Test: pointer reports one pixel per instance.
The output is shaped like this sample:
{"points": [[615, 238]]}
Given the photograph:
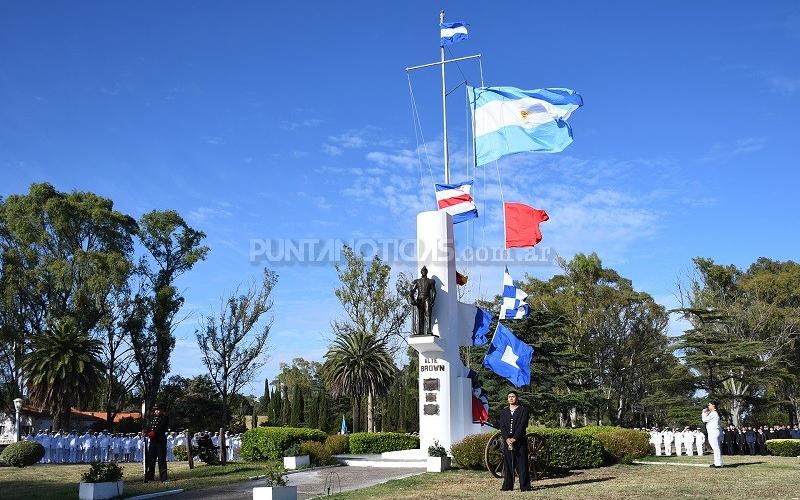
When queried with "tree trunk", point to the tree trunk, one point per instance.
{"points": [[356, 414], [370, 415], [736, 410]]}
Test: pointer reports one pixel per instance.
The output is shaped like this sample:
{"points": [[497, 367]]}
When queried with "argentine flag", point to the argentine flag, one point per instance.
{"points": [[513, 306], [510, 120], [453, 33]]}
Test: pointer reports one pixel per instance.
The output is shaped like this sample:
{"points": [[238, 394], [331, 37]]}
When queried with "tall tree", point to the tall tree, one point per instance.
{"points": [[736, 345], [373, 312], [63, 368], [358, 365], [297, 407], [60, 254], [286, 406], [173, 248], [233, 341], [323, 420]]}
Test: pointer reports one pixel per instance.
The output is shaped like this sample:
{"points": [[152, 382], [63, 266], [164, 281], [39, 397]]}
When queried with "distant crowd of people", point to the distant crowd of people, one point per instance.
{"points": [[73, 448], [733, 440]]}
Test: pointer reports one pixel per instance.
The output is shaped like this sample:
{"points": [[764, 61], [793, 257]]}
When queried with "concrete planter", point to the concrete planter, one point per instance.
{"points": [[275, 493], [438, 464], [292, 463], [100, 491]]}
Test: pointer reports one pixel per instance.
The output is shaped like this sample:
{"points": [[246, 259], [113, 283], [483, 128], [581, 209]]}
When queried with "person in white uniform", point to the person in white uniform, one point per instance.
{"points": [[711, 419], [688, 441], [655, 440], [676, 432], [170, 447], [667, 436], [699, 440], [73, 447]]}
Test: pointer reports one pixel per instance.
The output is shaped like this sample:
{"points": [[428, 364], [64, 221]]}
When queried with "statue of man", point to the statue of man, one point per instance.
{"points": [[422, 297]]}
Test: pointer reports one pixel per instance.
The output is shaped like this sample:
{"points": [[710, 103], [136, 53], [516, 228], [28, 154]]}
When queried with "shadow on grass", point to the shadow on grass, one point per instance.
{"points": [[731, 466], [572, 483]]}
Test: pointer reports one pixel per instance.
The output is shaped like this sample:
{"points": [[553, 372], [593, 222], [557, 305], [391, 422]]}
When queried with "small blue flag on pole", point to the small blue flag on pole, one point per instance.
{"points": [[453, 33], [509, 357]]}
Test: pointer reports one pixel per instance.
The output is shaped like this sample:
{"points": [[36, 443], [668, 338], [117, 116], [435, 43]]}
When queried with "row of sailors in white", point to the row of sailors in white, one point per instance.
{"points": [[71, 448], [687, 441]]}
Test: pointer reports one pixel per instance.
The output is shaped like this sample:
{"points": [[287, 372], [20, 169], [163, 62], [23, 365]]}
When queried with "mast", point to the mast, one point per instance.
{"points": [[444, 110]]}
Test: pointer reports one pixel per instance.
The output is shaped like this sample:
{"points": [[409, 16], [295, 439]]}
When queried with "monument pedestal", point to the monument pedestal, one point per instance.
{"points": [[445, 391]]}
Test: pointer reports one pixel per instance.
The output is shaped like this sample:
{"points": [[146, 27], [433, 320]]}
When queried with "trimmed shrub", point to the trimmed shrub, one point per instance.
{"points": [[317, 452], [337, 444], [784, 447], [468, 453], [620, 444], [569, 449], [180, 452], [100, 472], [22, 453], [269, 443], [379, 442]]}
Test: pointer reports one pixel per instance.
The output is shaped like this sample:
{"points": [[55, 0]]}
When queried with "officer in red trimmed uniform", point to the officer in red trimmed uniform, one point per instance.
{"points": [[155, 431]]}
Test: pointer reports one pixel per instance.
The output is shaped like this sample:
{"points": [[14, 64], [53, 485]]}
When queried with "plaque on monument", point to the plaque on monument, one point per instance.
{"points": [[430, 384], [431, 410], [430, 397]]}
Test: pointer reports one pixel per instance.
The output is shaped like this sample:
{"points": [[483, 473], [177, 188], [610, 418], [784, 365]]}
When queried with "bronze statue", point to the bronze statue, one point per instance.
{"points": [[422, 297]]}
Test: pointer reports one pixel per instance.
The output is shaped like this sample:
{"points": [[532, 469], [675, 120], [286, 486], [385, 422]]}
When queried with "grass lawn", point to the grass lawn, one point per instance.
{"points": [[747, 477], [61, 481]]}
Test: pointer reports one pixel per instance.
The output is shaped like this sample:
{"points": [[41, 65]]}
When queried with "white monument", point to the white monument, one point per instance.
{"points": [[445, 391]]}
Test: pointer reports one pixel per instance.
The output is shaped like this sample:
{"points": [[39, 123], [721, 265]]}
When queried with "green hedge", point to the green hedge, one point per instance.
{"points": [[468, 453], [784, 447], [22, 453], [179, 450], [318, 453], [337, 444], [379, 442], [620, 444], [269, 443], [569, 449]]}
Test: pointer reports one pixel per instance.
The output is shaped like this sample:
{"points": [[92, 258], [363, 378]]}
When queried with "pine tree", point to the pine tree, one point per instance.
{"points": [[275, 412], [294, 416], [313, 412], [323, 418], [265, 400], [286, 407]]}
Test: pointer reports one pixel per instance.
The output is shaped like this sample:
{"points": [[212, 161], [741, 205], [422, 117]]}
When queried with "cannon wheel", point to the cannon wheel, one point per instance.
{"points": [[538, 456], [493, 455]]}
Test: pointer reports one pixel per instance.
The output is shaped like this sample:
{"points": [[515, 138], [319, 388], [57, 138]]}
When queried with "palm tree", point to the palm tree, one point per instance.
{"points": [[63, 369], [358, 364]]}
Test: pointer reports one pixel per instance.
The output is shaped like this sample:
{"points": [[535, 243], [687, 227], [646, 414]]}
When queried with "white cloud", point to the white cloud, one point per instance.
{"points": [[720, 152]]}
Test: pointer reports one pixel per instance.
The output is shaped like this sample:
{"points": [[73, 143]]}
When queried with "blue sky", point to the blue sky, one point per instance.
{"points": [[257, 122]]}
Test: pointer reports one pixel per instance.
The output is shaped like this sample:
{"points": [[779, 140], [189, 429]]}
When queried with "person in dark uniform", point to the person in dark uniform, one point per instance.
{"points": [[761, 442], [156, 431], [513, 428], [783, 432], [741, 442], [730, 440], [750, 437]]}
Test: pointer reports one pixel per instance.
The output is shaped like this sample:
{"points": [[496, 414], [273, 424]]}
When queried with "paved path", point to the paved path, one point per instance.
{"points": [[309, 484]]}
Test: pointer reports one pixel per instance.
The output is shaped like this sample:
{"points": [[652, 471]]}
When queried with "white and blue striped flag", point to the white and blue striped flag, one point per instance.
{"points": [[513, 306], [510, 120], [453, 33]]}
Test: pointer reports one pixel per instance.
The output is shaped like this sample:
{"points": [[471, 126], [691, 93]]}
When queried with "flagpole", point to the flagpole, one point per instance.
{"points": [[444, 111]]}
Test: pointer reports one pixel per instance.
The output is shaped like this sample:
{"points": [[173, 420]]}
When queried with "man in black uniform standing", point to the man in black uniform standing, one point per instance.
{"points": [[156, 430], [513, 428]]}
